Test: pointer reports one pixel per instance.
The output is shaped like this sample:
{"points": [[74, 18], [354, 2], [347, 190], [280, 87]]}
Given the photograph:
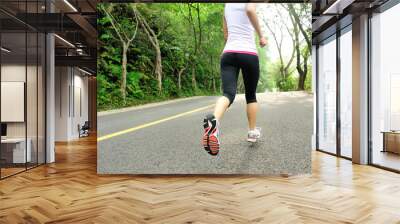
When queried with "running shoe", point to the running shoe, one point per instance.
{"points": [[253, 135], [211, 135]]}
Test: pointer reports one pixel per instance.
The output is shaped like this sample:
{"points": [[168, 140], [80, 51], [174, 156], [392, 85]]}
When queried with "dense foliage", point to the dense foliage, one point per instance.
{"points": [[189, 40]]}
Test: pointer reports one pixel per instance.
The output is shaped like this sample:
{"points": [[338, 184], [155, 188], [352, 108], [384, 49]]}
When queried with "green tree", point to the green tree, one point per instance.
{"points": [[298, 12], [126, 29], [175, 52]]}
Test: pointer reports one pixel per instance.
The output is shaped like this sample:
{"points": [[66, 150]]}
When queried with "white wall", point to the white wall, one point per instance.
{"points": [[16, 73], [70, 83], [13, 100], [81, 89], [62, 81], [33, 127], [12, 73]]}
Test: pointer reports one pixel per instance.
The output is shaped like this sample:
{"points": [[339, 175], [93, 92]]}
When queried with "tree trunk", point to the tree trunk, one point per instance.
{"points": [[212, 75], [296, 17], [194, 84], [179, 82], [303, 74], [193, 27], [158, 68], [302, 79], [199, 21], [179, 78], [300, 85], [214, 87], [297, 28], [283, 74], [123, 74], [154, 41]]}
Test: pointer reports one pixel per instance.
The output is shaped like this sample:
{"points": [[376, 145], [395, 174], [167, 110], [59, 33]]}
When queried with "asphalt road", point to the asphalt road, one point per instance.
{"points": [[162, 143]]}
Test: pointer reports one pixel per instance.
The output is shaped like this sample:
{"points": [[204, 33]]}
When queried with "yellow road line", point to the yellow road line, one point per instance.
{"points": [[99, 139]]}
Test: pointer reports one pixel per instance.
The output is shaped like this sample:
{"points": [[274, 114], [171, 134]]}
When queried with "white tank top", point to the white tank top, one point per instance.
{"points": [[241, 38]]}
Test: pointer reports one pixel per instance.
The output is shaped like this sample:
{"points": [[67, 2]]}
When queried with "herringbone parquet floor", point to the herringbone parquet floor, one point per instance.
{"points": [[69, 191]]}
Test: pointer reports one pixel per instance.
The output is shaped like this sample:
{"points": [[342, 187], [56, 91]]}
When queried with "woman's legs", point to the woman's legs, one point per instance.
{"points": [[251, 75], [230, 64], [220, 107], [229, 77], [252, 109]]}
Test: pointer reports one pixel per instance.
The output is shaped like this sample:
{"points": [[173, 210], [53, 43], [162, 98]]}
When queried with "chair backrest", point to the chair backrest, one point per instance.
{"points": [[86, 125]]}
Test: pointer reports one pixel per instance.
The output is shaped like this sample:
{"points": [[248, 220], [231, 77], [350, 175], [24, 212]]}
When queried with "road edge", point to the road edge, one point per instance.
{"points": [[144, 106]]}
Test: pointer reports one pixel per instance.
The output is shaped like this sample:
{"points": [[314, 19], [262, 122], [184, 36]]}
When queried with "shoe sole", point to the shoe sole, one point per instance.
{"points": [[252, 140], [210, 142], [211, 145]]}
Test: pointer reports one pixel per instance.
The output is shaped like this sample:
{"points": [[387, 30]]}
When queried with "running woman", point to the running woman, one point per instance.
{"points": [[240, 53]]}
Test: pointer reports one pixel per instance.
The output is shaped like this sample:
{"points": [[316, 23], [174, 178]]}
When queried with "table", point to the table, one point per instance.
{"points": [[16, 146], [391, 141]]}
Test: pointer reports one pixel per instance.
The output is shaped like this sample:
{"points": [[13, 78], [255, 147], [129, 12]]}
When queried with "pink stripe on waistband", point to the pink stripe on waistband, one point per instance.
{"points": [[241, 52]]}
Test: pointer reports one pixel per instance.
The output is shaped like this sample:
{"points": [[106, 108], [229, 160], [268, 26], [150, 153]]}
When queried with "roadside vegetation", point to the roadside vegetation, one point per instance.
{"points": [[154, 52]]}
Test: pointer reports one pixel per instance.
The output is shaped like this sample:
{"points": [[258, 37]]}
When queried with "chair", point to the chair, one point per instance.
{"points": [[84, 130]]}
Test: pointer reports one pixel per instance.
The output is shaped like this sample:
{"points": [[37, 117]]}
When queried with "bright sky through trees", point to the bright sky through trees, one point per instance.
{"points": [[275, 13]]}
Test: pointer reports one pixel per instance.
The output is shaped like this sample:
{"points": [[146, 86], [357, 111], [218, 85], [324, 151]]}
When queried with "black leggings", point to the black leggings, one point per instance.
{"points": [[231, 63]]}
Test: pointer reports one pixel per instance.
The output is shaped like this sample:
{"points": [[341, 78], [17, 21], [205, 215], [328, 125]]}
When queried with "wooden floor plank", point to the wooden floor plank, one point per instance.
{"points": [[70, 191]]}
